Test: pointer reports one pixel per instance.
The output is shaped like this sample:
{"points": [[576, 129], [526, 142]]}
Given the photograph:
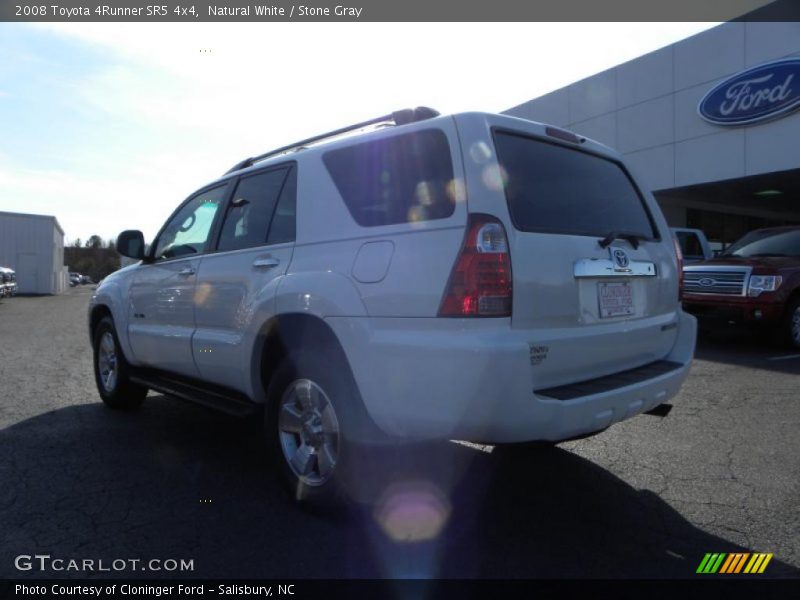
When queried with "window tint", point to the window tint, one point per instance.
{"points": [[401, 179], [282, 228], [188, 231], [766, 242], [553, 189], [250, 212]]}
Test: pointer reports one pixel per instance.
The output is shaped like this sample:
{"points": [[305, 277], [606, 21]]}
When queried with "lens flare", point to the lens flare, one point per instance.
{"points": [[201, 293], [424, 193], [480, 152], [412, 512], [495, 177], [456, 191]]}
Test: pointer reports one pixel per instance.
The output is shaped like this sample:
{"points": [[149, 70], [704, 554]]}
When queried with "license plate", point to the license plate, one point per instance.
{"points": [[616, 299]]}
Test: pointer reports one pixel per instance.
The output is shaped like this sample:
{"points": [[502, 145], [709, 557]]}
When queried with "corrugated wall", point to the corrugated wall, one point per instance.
{"points": [[29, 244]]}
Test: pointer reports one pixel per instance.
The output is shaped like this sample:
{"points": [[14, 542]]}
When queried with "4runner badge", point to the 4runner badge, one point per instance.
{"points": [[538, 353]]}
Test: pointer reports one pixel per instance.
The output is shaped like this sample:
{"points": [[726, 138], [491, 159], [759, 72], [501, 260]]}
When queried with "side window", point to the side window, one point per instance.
{"points": [[250, 212], [400, 179], [188, 232], [283, 222]]}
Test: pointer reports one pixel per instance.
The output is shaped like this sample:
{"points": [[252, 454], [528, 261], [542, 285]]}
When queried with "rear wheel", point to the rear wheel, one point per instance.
{"points": [[308, 432], [316, 427], [111, 370]]}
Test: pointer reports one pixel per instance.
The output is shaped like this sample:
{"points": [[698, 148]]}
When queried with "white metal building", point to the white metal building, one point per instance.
{"points": [[725, 177], [33, 245]]}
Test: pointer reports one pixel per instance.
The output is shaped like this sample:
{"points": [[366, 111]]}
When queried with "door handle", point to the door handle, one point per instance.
{"points": [[266, 263], [186, 271]]}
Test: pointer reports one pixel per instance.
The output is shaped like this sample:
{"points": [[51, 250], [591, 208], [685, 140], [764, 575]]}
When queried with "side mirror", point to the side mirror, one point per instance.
{"points": [[130, 243]]}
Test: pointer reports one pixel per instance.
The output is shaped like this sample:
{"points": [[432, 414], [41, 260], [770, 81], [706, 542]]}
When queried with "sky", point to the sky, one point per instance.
{"points": [[110, 126]]}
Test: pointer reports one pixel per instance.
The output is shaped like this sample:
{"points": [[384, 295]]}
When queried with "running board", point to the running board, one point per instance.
{"points": [[208, 395]]}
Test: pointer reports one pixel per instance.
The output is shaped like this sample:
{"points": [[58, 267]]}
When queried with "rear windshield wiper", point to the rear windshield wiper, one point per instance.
{"points": [[632, 238]]}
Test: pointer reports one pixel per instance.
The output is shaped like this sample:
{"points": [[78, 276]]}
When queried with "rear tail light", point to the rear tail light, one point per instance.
{"points": [[679, 255], [480, 283]]}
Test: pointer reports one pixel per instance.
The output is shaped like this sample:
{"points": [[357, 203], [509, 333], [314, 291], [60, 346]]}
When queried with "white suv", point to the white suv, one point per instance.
{"points": [[416, 276]]}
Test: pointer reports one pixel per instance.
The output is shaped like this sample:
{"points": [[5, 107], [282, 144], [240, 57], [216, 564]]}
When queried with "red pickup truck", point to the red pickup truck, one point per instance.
{"points": [[755, 281]]}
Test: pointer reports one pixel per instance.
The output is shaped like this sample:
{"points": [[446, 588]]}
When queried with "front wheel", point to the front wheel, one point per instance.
{"points": [[111, 370], [792, 323]]}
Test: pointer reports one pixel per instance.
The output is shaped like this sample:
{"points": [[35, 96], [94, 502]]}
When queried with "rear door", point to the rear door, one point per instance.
{"points": [[238, 281], [594, 303]]}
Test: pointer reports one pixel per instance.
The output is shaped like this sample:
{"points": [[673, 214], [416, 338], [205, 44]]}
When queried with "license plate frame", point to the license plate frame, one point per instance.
{"points": [[615, 299]]}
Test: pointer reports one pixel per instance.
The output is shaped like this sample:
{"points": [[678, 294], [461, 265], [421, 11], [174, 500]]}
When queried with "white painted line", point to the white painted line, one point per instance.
{"points": [[787, 357]]}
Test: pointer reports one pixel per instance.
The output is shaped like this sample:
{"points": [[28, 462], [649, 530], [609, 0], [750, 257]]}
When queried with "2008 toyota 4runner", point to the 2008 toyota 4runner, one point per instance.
{"points": [[416, 276]]}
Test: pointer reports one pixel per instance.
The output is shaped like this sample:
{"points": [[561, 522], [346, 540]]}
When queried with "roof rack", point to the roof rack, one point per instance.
{"points": [[399, 117]]}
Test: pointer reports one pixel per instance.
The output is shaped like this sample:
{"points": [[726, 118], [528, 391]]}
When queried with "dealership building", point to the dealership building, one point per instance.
{"points": [[33, 246], [710, 124]]}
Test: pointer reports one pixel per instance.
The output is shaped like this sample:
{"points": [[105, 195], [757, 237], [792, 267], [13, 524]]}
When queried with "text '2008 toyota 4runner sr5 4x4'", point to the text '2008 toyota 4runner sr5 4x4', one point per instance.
{"points": [[416, 276]]}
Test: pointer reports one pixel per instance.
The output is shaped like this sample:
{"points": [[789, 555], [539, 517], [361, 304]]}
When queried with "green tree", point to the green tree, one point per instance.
{"points": [[94, 241]]}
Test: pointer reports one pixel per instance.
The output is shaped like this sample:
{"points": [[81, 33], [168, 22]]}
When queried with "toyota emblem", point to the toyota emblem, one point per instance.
{"points": [[620, 258]]}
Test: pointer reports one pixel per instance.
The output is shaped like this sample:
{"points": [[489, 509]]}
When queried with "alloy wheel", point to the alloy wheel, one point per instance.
{"points": [[107, 366], [309, 432]]}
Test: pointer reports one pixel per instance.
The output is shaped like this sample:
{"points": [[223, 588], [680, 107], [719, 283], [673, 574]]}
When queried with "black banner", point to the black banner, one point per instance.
{"points": [[405, 589], [393, 10]]}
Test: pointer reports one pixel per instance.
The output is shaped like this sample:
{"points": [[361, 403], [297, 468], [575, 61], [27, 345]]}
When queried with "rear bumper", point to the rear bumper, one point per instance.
{"points": [[474, 383]]}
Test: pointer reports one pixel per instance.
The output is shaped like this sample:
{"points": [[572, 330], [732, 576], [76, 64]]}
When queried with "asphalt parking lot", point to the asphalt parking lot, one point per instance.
{"points": [[647, 498]]}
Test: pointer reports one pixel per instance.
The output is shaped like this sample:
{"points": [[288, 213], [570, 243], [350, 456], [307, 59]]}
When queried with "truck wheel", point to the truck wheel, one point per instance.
{"points": [[792, 324], [111, 370], [314, 424]]}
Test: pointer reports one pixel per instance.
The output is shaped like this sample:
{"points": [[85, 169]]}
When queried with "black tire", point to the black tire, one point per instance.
{"points": [[121, 393], [357, 436], [791, 324]]}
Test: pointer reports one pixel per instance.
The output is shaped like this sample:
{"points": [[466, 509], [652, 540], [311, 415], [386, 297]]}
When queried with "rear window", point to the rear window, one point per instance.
{"points": [[553, 189], [402, 179]]}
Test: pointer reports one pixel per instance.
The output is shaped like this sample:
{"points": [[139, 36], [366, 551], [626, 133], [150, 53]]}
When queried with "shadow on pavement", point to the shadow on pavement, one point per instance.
{"points": [[175, 481], [747, 348]]}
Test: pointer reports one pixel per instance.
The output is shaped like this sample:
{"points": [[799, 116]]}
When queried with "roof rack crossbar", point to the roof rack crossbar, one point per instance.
{"points": [[399, 117]]}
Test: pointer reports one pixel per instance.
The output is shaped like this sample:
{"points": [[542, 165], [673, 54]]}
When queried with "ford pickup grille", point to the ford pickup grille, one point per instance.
{"points": [[726, 283]]}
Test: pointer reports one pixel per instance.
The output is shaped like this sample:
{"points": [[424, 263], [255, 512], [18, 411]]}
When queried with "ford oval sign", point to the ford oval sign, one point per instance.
{"points": [[761, 93]]}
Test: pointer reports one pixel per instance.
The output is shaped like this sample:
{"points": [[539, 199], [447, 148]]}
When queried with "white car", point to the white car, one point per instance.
{"points": [[8, 282], [476, 277], [694, 244]]}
